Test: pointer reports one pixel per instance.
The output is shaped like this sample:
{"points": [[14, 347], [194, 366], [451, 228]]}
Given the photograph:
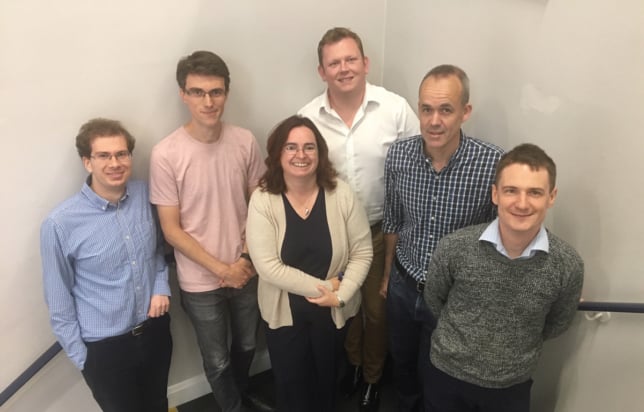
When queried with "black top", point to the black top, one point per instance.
{"points": [[307, 244]]}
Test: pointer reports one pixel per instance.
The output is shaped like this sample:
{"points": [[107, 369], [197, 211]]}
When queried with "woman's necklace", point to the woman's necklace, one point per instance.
{"points": [[310, 200]]}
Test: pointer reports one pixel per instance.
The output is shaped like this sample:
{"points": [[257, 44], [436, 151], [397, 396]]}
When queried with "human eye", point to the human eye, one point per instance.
{"points": [[122, 155], [446, 110], [196, 92], [104, 156], [310, 147], [290, 147], [218, 92], [334, 63]]}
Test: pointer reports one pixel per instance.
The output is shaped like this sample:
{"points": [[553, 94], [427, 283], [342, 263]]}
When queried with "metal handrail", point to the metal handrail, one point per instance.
{"points": [[29, 373], [20, 381], [624, 307]]}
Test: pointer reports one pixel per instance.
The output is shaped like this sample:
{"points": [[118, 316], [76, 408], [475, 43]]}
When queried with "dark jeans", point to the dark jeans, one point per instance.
{"points": [[304, 358], [129, 373], [217, 316], [453, 395], [410, 327]]}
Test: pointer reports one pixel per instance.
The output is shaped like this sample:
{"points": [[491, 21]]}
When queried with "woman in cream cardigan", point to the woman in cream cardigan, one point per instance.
{"points": [[309, 240]]}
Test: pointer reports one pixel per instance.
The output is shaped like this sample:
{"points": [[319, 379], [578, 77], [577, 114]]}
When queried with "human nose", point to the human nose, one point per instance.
{"points": [[208, 99], [113, 161], [434, 118], [522, 201]]}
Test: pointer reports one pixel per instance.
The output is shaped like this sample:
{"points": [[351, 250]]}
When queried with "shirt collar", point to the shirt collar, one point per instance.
{"points": [[460, 150], [540, 242], [94, 198]]}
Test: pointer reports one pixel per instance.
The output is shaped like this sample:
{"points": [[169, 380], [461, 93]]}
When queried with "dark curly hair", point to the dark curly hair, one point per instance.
{"points": [[273, 179]]}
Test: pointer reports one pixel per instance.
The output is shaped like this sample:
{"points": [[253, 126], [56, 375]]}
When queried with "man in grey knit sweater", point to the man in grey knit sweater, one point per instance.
{"points": [[499, 290]]}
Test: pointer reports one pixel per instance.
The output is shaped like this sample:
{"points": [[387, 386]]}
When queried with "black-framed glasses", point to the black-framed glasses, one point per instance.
{"points": [[122, 156], [201, 93]]}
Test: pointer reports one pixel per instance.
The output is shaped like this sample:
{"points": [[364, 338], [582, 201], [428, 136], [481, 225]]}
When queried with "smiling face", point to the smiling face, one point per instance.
{"points": [[441, 113], [299, 154], [523, 196], [344, 68], [109, 177], [206, 110]]}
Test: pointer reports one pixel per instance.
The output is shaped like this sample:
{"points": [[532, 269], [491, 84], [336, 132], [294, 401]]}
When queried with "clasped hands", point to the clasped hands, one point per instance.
{"points": [[237, 274], [327, 297]]}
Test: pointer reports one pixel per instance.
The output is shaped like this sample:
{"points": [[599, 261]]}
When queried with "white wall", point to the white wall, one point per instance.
{"points": [[566, 75], [64, 62]]}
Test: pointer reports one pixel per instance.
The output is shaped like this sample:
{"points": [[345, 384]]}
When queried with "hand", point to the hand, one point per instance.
{"points": [[335, 283], [238, 274], [159, 306], [384, 285], [327, 298]]}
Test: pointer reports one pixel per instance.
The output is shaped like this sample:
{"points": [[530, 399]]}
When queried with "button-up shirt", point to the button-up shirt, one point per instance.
{"points": [[538, 243], [358, 152], [422, 205], [102, 263]]}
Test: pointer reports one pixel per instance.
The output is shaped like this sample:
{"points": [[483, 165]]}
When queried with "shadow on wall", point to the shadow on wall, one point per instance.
{"points": [[557, 353]]}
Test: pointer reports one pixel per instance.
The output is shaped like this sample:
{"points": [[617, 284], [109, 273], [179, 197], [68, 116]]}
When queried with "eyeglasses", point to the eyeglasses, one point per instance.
{"points": [[122, 156], [308, 148], [201, 93]]}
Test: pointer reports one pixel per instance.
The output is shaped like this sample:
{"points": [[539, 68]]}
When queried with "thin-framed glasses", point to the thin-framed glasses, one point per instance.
{"points": [[293, 148], [201, 93], [122, 156]]}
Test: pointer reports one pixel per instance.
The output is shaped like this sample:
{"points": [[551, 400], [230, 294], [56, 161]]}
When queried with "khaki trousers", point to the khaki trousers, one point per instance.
{"points": [[366, 342]]}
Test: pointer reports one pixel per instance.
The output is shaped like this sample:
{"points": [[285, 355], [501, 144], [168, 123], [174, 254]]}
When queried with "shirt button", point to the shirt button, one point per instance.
{"points": [[134, 262]]}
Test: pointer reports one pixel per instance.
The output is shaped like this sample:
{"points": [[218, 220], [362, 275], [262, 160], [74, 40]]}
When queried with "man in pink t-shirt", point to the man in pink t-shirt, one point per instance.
{"points": [[201, 177]]}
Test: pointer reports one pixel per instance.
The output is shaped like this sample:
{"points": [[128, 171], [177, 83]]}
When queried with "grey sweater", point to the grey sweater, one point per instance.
{"points": [[493, 312]]}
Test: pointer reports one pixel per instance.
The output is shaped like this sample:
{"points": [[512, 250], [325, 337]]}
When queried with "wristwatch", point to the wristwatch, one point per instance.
{"points": [[340, 301], [246, 256]]}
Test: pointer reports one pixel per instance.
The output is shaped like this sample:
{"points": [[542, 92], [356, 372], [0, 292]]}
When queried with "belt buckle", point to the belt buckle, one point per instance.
{"points": [[138, 329], [420, 286]]}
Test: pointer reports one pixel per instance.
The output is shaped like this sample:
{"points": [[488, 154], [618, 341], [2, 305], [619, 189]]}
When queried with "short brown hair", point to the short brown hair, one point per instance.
{"points": [[202, 63], [445, 70], [336, 34], [531, 155], [100, 127], [273, 179]]}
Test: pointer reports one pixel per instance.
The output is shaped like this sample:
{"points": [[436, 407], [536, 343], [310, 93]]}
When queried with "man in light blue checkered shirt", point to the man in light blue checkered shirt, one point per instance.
{"points": [[105, 278], [435, 183]]}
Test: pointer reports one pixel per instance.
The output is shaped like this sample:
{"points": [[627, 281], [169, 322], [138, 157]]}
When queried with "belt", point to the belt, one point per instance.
{"points": [[419, 284], [137, 330]]}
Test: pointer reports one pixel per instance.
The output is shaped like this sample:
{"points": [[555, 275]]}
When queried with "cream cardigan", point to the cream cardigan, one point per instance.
{"points": [[350, 243]]}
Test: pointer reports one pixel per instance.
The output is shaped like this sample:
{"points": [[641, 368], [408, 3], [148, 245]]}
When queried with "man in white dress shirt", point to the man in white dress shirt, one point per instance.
{"points": [[359, 121]]}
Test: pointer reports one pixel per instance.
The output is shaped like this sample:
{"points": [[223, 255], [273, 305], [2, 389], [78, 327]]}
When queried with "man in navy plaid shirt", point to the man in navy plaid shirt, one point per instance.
{"points": [[435, 183]]}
